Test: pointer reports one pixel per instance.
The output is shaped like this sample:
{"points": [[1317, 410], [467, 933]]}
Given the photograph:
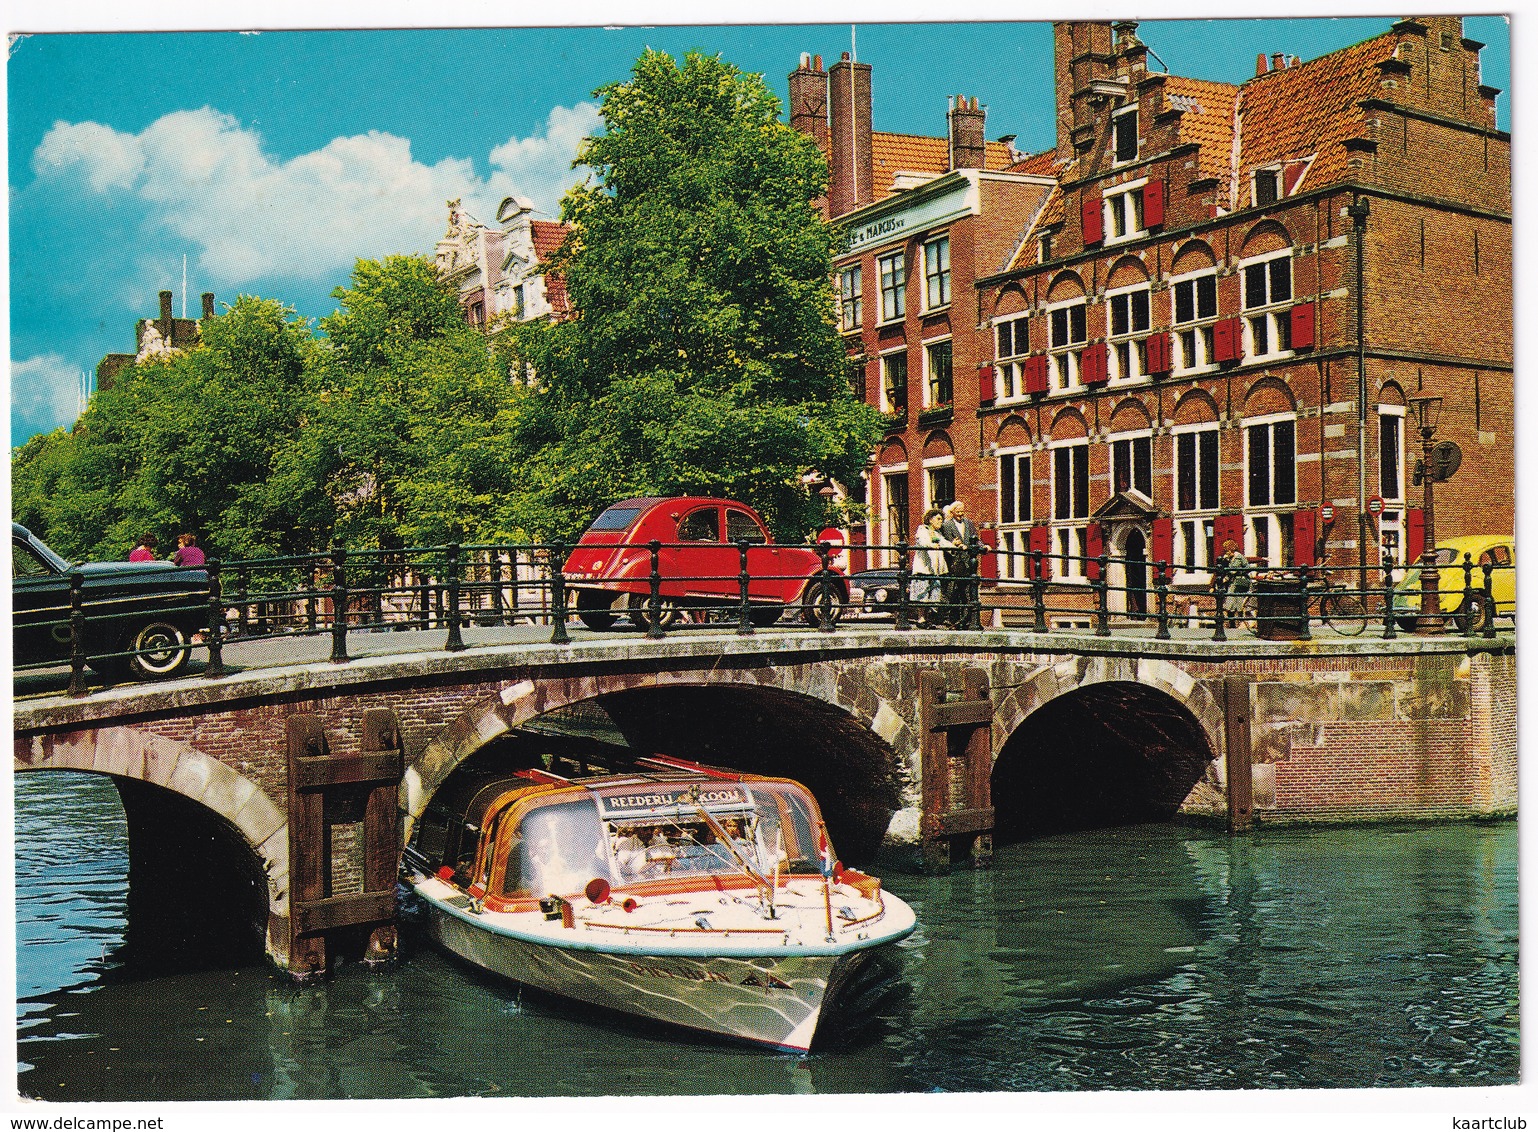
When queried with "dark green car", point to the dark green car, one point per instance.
{"points": [[139, 616]]}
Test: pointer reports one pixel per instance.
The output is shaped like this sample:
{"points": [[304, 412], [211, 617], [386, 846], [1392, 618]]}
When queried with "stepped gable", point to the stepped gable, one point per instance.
{"points": [[1207, 118]]}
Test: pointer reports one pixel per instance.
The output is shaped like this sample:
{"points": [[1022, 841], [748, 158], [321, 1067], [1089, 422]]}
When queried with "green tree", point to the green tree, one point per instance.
{"points": [[704, 356]]}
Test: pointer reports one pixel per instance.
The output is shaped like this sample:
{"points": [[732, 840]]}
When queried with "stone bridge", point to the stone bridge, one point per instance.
{"points": [[282, 796]]}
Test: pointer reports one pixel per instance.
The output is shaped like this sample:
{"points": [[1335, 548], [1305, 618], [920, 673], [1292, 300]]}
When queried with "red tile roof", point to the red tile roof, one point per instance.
{"points": [[1207, 120], [910, 153], [547, 236]]}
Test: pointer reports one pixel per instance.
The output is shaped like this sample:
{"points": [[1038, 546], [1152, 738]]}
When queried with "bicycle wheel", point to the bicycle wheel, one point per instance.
{"points": [[1343, 612]]}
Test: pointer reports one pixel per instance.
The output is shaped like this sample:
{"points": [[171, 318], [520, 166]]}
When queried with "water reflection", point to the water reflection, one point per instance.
{"points": [[1149, 957]]}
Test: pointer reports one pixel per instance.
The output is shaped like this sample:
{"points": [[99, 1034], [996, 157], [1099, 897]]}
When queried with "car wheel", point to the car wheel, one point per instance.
{"points": [[160, 650], [639, 608], [595, 609], [812, 598], [1471, 614]]}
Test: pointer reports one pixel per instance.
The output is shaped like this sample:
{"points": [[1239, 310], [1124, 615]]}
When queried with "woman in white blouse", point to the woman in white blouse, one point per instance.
{"points": [[928, 563]]}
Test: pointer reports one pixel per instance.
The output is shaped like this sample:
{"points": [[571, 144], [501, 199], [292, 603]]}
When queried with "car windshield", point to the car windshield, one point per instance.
{"points": [[42, 550], [615, 519]]}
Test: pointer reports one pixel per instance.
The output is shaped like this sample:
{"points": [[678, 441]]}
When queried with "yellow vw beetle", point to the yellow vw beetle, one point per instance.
{"points": [[1497, 550]]}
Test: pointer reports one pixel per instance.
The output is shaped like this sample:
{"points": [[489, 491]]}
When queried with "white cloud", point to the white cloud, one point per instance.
{"points": [[45, 394], [208, 183]]}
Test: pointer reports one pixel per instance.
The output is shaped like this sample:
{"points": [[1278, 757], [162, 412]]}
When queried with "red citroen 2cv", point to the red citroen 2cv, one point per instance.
{"points": [[700, 564]]}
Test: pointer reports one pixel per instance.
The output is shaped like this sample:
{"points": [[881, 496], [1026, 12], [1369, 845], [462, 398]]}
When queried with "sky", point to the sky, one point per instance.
{"points": [[272, 161]]}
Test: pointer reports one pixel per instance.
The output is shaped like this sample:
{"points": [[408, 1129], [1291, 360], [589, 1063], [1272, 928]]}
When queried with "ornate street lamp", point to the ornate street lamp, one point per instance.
{"points": [[1427, 412]]}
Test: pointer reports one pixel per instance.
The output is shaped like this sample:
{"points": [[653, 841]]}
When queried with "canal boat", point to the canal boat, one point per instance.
{"points": [[681, 893]]}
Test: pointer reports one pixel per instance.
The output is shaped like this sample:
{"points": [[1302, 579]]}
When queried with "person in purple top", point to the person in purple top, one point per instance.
{"points": [[144, 549], [188, 553]]}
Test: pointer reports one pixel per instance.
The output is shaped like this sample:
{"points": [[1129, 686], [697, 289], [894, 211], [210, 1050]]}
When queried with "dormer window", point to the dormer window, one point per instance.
{"points": [[1268, 187], [1124, 134]]}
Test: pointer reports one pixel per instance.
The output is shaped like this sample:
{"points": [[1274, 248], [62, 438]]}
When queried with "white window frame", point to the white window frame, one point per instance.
{"points": [[939, 246], [1130, 197], [1137, 142], [1131, 438], [1193, 528], [850, 299], [1195, 334], [930, 466], [1398, 413], [1267, 517], [1069, 535], [1014, 547], [927, 345], [897, 310], [1009, 369], [1064, 361], [888, 536], [882, 359], [1274, 312], [1133, 343]]}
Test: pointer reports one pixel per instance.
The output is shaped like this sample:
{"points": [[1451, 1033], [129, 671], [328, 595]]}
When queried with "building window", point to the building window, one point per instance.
{"points": [[1070, 506], [1124, 127], [894, 511], [1267, 299], [1124, 212], [937, 373], [939, 483], [1014, 513], [1196, 469], [1011, 341], [1272, 461], [894, 381], [1044, 248], [1132, 463], [1268, 187], [937, 273], [1196, 307], [1068, 331], [1129, 308], [849, 298], [1390, 452], [894, 286], [518, 303], [857, 377]]}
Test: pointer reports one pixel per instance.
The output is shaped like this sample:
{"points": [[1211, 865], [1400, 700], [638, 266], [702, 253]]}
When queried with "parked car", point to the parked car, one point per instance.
{"points": [[699, 564], [151, 609], [875, 591], [1497, 550]]}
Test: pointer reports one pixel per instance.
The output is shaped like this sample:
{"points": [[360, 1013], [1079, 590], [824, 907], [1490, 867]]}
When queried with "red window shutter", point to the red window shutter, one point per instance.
{"points": [[1305, 534], [1041, 540], [1227, 340], [1094, 220], [985, 385], [1303, 326], [988, 564], [1094, 546], [1226, 527], [1159, 352], [1093, 366], [1153, 204], [858, 558], [1036, 374], [1163, 548], [1414, 533]]}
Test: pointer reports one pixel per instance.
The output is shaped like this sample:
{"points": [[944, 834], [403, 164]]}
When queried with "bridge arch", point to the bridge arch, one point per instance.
{"points": [[771, 720], [1096, 741], [192, 821]]}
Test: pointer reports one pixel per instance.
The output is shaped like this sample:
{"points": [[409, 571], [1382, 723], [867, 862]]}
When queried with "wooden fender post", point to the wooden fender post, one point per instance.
{"points": [[343, 841], [1241, 786], [957, 764]]}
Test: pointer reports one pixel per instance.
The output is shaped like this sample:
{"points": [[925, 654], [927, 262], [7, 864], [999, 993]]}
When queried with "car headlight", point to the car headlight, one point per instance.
{"points": [[881, 595]]}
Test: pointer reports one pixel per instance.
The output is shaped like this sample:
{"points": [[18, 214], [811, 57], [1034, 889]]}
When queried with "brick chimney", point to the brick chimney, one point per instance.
{"points": [[208, 304], [968, 145], [849, 160], [809, 100], [1082, 53], [165, 317]]}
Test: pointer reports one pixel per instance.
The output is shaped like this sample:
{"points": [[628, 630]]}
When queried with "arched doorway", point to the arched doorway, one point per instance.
{"points": [[1135, 551]]}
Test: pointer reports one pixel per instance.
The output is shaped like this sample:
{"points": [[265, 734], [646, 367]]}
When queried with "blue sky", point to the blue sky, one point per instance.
{"points": [[272, 161]]}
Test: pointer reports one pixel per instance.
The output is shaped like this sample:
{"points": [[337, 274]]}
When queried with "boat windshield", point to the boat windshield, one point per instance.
{"points": [[555, 849], [657, 831]]}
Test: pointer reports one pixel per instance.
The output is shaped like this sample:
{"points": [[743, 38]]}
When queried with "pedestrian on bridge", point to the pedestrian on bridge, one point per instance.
{"points": [[960, 560], [929, 566]]}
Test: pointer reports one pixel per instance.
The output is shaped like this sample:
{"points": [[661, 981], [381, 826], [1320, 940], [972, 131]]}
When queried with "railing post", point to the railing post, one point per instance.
{"points": [[1389, 627], [76, 635], [654, 629], [744, 607], [215, 621], [1102, 592], [558, 634], [974, 583], [338, 604], [1304, 632], [311, 599], [902, 621], [825, 590], [1468, 594], [1219, 598], [1162, 587], [455, 641], [242, 597], [1489, 626], [1039, 591], [495, 572]]}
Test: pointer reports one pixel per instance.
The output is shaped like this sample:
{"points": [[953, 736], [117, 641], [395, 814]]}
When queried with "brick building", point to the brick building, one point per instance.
{"points": [[1173, 355], [156, 336], [496, 270]]}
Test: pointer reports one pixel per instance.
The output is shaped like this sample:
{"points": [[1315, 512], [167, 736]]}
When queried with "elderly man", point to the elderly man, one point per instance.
{"points": [[961, 533]]}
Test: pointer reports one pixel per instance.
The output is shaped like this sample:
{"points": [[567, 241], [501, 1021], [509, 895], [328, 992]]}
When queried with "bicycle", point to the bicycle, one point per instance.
{"points": [[1333, 603]]}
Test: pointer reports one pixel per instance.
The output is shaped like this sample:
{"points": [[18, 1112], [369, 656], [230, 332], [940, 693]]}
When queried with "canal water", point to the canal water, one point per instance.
{"points": [[1151, 957]]}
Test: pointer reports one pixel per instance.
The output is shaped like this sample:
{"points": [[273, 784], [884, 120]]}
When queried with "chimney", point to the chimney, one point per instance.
{"points": [[1278, 62], [968, 146], [1260, 64], [164, 325], [1082, 53], [809, 100], [208, 304], [849, 161]]}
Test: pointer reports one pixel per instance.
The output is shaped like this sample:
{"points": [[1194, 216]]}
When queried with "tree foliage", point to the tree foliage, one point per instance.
{"points": [[704, 357]]}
